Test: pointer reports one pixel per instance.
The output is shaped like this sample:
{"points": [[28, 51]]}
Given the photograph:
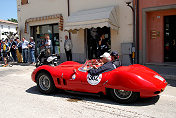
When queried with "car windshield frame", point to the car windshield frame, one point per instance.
{"points": [[89, 63]]}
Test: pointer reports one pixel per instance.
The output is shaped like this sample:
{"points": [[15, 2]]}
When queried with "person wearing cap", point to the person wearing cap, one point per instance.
{"points": [[115, 59], [107, 66]]}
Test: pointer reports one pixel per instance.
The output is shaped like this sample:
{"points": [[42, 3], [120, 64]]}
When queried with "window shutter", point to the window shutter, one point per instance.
{"points": [[24, 2]]}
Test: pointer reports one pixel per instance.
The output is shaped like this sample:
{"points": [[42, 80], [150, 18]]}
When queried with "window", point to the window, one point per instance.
{"points": [[23, 2], [1, 26], [9, 27]]}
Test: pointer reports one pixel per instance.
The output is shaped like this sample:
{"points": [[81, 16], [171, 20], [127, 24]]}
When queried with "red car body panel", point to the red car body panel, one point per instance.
{"points": [[136, 78]]}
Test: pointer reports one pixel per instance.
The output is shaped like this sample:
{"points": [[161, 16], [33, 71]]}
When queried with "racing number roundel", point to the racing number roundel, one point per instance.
{"points": [[94, 80]]}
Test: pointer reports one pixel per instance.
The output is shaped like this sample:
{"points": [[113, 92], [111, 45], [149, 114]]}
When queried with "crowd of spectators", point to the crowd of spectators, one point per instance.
{"points": [[19, 50]]}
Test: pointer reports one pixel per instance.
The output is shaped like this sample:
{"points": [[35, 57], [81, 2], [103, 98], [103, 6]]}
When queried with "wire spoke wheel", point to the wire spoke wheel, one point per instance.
{"points": [[122, 94], [44, 82]]}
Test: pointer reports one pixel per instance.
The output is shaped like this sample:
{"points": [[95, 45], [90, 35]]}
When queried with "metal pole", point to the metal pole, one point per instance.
{"points": [[134, 32], [137, 31], [68, 6]]}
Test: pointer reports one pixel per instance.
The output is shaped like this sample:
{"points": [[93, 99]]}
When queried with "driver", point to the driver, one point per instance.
{"points": [[107, 66]]}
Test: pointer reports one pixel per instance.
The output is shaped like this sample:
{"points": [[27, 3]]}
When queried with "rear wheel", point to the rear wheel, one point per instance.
{"points": [[45, 83], [122, 96]]}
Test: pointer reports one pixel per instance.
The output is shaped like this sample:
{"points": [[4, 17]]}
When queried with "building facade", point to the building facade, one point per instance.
{"points": [[157, 31], [85, 20], [6, 27]]}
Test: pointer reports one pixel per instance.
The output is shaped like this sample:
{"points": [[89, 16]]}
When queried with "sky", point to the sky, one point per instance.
{"points": [[8, 9]]}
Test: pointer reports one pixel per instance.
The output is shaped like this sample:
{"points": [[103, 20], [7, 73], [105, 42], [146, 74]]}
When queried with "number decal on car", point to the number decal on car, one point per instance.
{"points": [[94, 80]]}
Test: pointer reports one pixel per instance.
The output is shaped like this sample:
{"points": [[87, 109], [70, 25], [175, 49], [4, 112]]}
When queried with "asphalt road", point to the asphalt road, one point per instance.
{"points": [[20, 98]]}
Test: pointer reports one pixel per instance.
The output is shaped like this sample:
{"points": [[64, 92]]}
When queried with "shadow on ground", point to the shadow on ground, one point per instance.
{"points": [[73, 97]]}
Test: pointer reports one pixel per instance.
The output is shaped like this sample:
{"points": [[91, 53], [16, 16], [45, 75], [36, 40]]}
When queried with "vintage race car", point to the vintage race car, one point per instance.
{"points": [[124, 84]]}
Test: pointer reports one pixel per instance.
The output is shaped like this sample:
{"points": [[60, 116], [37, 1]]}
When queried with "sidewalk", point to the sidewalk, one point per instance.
{"points": [[166, 71]]}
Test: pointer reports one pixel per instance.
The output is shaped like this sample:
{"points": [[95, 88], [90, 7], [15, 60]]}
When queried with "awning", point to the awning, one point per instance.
{"points": [[93, 18], [42, 18]]}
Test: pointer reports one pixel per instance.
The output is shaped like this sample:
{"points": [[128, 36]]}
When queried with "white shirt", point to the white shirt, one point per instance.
{"points": [[48, 43], [25, 44], [68, 44]]}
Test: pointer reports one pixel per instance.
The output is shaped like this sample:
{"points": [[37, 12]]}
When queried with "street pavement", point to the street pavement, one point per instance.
{"points": [[21, 98]]}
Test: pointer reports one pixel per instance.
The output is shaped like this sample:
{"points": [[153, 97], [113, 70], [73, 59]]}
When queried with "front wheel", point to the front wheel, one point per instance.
{"points": [[122, 96], [45, 83]]}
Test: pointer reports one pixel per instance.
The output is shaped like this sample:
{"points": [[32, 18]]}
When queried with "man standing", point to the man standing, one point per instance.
{"points": [[13, 49], [48, 45], [32, 49], [25, 50], [68, 48], [19, 51]]}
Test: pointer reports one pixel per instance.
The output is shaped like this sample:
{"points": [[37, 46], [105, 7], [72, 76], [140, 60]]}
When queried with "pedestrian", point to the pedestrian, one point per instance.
{"points": [[25, 50], [19, 51], [103, 44], [5, 50], [32, 49], [13, 49], [0, 50], [68, 48], [48, 45]]}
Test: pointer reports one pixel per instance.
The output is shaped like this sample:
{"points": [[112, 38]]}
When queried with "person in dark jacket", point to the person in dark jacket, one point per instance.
{"points": [[32, 49], [13, 49], [107, 66], [115, 58]]}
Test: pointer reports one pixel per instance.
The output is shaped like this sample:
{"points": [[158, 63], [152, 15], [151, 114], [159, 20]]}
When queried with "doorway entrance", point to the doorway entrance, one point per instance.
{"points": [[39, 32], [98, 42], [170, 38]]}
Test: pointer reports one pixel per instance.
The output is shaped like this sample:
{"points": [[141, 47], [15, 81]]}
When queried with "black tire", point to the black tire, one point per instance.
{"points": [[45, 83], [122, 96]]}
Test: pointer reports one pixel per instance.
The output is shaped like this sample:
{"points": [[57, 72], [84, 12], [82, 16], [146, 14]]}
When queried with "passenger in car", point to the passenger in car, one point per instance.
{"points": [[115, 58]]}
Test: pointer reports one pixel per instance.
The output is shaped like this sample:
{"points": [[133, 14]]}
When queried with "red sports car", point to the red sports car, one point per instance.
{"points": [[125, 84]]}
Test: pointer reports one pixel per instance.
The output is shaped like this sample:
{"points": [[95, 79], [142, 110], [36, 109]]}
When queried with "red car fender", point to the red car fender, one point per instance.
{"points": [[123, 80], [45, 68]]}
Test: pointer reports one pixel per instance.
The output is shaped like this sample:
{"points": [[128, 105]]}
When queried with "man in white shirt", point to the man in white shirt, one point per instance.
{"points": [[25, 50], [68, 48], [48, 45]]}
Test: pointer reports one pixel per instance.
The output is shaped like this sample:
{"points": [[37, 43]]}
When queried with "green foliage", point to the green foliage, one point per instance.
{"points": [[13, 20]]}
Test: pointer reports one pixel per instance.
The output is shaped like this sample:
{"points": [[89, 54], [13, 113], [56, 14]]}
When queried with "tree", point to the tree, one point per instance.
{"points": [[13, 20], [10, 35]]}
